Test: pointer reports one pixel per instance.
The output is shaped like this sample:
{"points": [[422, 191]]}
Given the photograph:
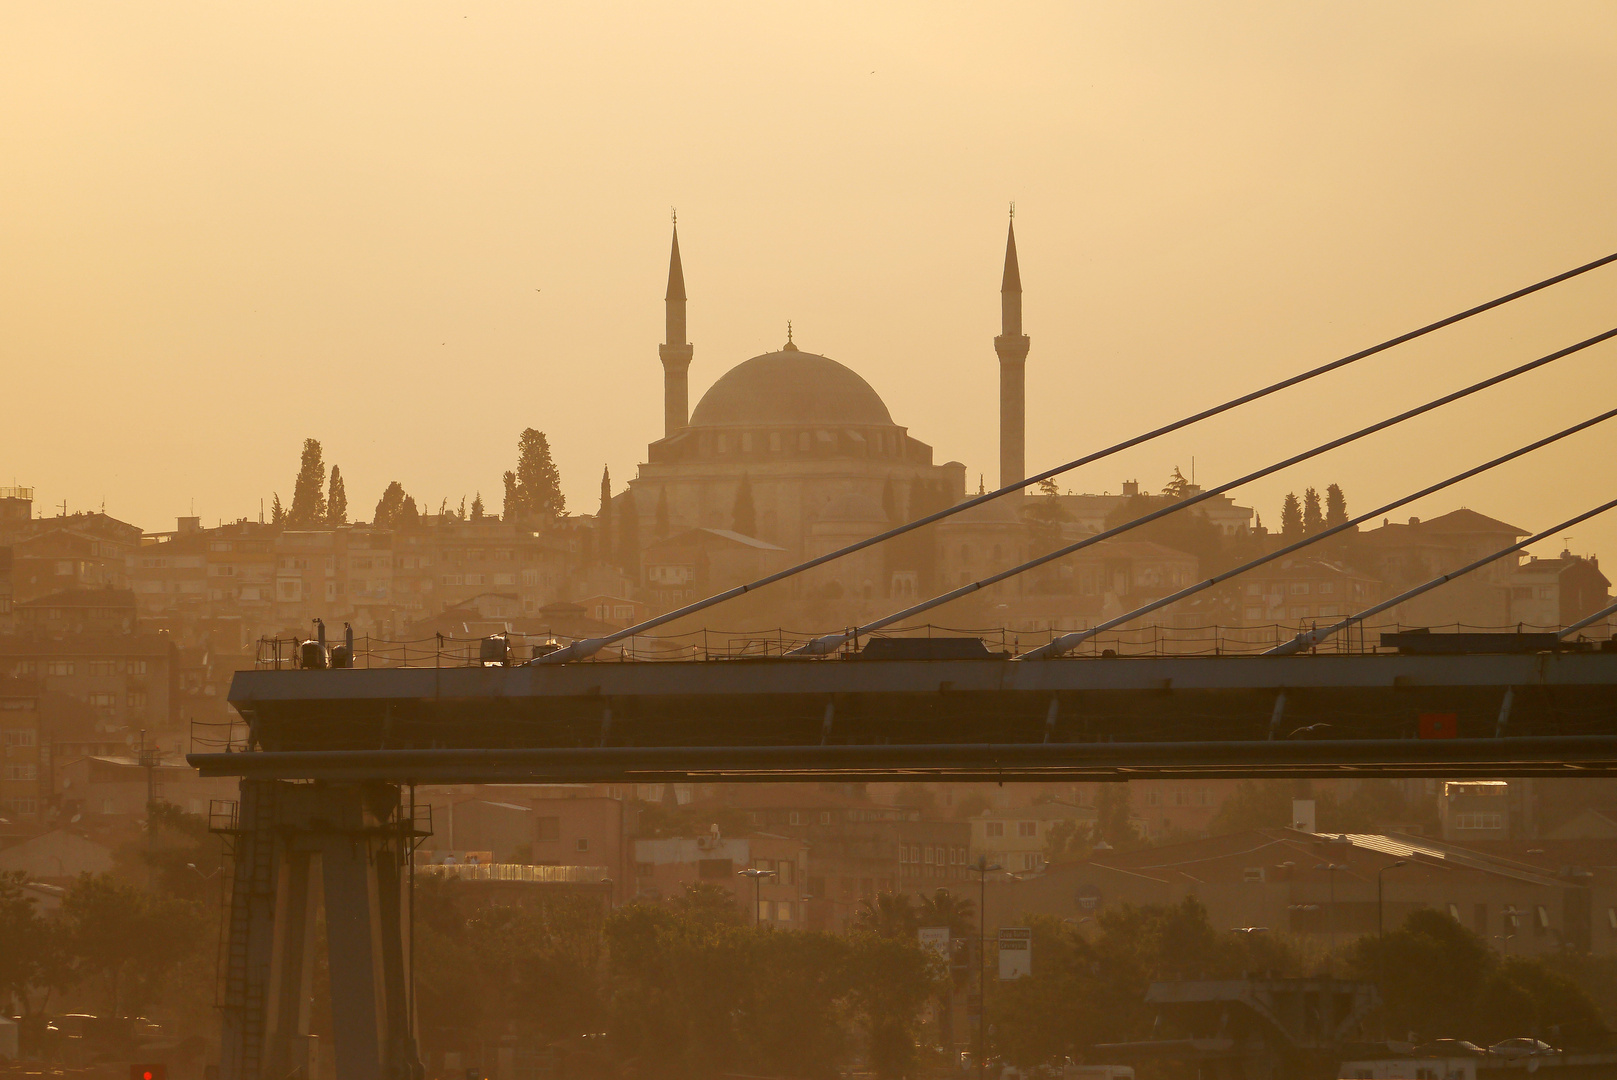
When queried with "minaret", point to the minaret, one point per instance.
{"points": [[1012, 345], [675, 351]]}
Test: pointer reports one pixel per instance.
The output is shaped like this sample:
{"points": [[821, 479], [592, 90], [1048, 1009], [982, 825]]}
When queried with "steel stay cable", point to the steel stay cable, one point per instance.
{"points": [[822, 645], [1314, 637], [1068, 641], [587, 647]]}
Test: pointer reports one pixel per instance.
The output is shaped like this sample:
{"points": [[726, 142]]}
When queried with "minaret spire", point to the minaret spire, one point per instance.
{"points": [[1012, 346], [675, 351]]}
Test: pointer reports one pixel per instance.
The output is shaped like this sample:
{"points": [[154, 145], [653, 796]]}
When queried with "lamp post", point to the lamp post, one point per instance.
{"points": [[1330, 910], [757, 877], [983, 868]]}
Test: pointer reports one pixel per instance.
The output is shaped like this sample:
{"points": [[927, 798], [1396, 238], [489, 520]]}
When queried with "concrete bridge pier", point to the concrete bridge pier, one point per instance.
{"points": [[298, 845]]}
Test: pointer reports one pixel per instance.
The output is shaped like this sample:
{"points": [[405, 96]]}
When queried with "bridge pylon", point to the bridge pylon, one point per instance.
{"points": [[345, 846]]}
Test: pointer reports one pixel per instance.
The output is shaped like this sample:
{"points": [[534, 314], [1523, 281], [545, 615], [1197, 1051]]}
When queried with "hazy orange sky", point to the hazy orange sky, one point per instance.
{"points": [[412, 230]]}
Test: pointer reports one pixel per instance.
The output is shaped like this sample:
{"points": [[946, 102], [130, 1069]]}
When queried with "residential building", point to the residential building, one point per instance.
{"points": [[114, 787], [696, 562], [1520, 900], [1473, 810], [128, 680], [1558, 592], [1017, 838], [23, 772], [664, 868]]}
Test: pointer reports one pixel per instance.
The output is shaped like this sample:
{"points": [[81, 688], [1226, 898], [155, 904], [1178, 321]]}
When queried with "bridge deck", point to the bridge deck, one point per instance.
{"points": [[779, 719]]}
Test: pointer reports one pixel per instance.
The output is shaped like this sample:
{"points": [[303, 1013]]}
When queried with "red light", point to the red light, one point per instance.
{"points": [[147, 1075]]}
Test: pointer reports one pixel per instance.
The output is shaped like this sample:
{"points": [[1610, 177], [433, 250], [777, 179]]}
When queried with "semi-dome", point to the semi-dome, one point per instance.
{"points": [[791, 387]]}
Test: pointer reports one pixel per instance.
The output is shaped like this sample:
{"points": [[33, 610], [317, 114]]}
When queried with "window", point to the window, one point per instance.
{"points": [[1153, 798], [1252, 874], [547, 828], [136, 667], [825, 817], [642, 869], [1611, 918], [103, 667], [794, 818], [1479, 820], [1027, 828], [1543, 917], [786, 872], [59, 667], [21, 737], [765, 907], [29, 771], [994, 828], [1030, 861], [103, 701], [136, 699], [581, 844]]}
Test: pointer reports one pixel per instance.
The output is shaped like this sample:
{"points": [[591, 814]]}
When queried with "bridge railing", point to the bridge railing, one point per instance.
{"points": [[1172, 637]]}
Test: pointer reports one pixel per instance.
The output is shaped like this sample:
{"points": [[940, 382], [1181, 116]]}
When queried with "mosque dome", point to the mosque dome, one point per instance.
{"points": [[794, 388], [853, 506]]}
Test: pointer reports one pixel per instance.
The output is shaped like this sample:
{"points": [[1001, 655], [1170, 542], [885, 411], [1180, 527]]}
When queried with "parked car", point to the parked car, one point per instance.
{"points": [[1448, 1048], [1521, 1048]]}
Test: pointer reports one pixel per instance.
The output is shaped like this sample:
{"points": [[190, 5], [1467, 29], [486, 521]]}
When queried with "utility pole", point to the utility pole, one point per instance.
{"points": [[148, 760], [983, 868]]}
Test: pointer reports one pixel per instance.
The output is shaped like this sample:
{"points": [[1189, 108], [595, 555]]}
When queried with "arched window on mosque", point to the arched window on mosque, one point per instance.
{"points": [[774, 442]]}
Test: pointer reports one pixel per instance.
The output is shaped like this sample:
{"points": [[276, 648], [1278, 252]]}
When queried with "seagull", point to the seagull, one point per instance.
{"points": [[1306, 730]]}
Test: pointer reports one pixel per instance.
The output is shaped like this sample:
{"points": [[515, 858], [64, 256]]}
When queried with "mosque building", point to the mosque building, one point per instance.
{"points": [[798, 451]]}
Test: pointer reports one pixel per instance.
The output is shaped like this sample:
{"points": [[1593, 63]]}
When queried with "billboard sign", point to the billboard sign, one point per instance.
{"points": [[1015, 952]]}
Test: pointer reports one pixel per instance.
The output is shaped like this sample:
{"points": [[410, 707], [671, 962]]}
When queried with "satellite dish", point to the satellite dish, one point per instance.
{"points": [[74, 819]]}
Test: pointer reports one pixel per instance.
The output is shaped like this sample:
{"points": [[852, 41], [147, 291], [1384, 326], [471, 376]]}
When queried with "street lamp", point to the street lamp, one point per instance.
{"points": [[757, 877], [983, 868], [1330, 911]]}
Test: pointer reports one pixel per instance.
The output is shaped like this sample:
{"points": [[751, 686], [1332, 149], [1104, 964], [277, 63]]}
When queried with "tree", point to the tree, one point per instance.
{"points": [[513, 499], [887, 914], [743, 515], [1291, 517], [661, 528], [1313, 520], [603, 516], [308, 493], [1177, 486], [409, 516], [33, 963], [627, 520], [337, 504], [1335, 506], [461, 513], [277, 513], [130, 938], [477, 507], [389, 506], [538, 483]]}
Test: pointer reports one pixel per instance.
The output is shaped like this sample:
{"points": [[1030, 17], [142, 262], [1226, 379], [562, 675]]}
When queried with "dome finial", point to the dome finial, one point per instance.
{"points": [[788, 347]]}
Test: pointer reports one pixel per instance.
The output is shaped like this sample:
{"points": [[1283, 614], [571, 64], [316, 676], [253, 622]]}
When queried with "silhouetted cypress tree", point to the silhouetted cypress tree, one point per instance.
{"points": [[337, 504], [1291, 517], [1335, 506], [308, 494], [1313, 520]]}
